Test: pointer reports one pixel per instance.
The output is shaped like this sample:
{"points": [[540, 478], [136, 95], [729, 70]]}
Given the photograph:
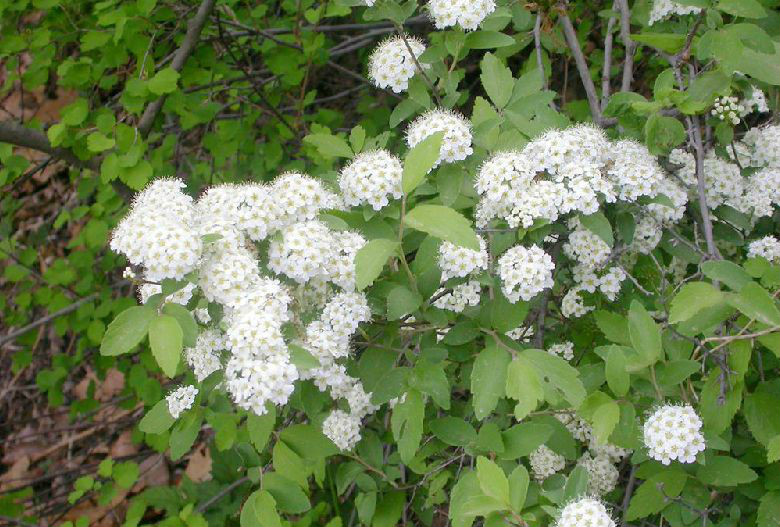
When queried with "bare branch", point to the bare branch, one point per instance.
{"points": [[630, 45], [607, 72], [48, 318], [538, 46], [19, 135], [582, 67], [194, 28]]}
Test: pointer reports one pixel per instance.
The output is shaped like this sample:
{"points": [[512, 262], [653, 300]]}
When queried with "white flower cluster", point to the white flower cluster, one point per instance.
{"points": [[468, 13], [565, 350], [180, 400], [341, 428], [585, 512], [256, 307], [373, 178], [724, 181], [585, 247], [462, 295], [525, 272], [647, 234], [391, 65], [544, 463], [521, 333], [602, 474], [204, 358], [457, 262], [663, 9], [756, 102], [728, 109], [674, 432], [456, 143], [765, 146], [762, 193], [158, 232], [577, 427], [565, 171], [767, 247], [182, 296]]}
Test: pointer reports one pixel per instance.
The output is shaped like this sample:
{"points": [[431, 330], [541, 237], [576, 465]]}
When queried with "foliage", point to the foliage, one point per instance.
{"points": [[466, 397]]}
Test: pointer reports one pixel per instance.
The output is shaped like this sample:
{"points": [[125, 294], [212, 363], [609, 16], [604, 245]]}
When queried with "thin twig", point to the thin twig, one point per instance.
{"points": [[48, 318], [607, 71], [630, 45], [222, 493]]}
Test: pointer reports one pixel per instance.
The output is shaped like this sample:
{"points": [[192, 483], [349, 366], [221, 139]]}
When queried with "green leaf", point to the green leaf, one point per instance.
{"points": [[518, 487], [613, 325], [492, 480], [488, 380], [576, 484], [97, 142], [488, 40], [401, 301], [558, 374], [357, 138], [157, 420], [164, 81], [618, 377], [703, 91], [644, 333], [769, 509], [329, 145], [127, 330], [504, 315], [692, 298], [668, 42], [773, 449], [496, 79], [755, 302], [420, 160], [260, 428], [308, 441], [605, 418], [165, 338], [388, 511], [186, 322], [407, 424], [125, 474], [75, 113], [302, 358], [524, 384], [522, 439], [724, 471], [662, 133], [443, 222], [648, 498], [599, 225], [288, 495], [370, 260], [454, 431], [742, 8], [260, 510], [185, 433], [761, 415]]}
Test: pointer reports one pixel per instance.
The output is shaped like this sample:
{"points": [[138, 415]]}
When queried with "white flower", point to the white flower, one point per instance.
{"points": [[525, 272], [762, 193], [647, 234], [300, 198], [468, 13], [456, 144], [565, 350], [602, 474], [305, 251], [180, 400], [767, 247], [585, 512], [633, 170], [586, 247], [755, 102], [573, 305], [579, 429], [728, 109], [674, 433], [391, 65], [544, 463], [373, 178], [204, 357], [765, 143], [343, 429], [462, 295], [664, 8], [457, 262]]}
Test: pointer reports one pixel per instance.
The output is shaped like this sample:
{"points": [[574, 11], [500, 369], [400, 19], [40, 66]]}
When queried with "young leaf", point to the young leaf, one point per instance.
{"points": [[407, 424], [692, 298], [754, 302], [329, 145], [444, 223], [260, 509], [518, 487], [496, 79], [488, 380], [492, 480], [420, 160], [453, 431], [370, 260], [157, 420], [127, 330], [644, 333], [599, 225], [165, 338], [618, 377]]}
